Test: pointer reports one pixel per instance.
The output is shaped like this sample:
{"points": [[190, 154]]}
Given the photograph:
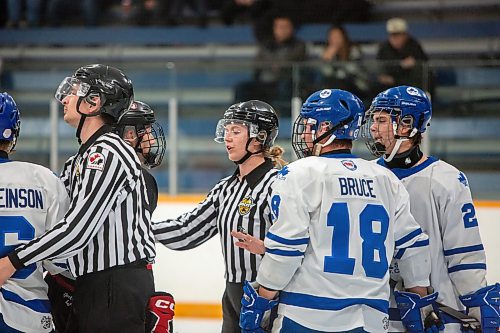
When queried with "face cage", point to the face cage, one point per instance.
{"points": [[299, 143], [155, 145], [376, 148], [220, 130], [71, 86]]}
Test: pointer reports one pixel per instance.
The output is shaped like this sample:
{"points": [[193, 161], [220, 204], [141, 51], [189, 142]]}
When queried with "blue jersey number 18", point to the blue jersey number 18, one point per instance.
{"points": [[374, 224]]}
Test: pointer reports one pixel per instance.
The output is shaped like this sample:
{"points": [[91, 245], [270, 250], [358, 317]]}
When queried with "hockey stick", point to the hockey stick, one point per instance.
{"points": [[467, 322]]}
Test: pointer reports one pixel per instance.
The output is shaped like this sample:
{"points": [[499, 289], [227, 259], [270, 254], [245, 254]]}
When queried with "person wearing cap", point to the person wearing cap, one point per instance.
{"points": [[402, 57]]}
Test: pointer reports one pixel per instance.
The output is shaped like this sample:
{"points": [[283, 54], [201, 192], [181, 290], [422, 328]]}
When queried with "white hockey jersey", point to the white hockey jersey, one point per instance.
{"points": [[441, 203], [338, 221], [32, 199]]}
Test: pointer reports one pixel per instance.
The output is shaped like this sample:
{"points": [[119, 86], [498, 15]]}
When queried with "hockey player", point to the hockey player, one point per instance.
{"points": [[337, 221], [441, 203], [32, 200]]}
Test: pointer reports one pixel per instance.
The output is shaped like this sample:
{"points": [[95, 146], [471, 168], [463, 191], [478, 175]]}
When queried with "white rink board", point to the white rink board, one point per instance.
{"points": [[197, 275]]}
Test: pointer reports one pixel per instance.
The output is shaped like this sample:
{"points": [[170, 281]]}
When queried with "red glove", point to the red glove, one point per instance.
{"points": [[160, 313]]}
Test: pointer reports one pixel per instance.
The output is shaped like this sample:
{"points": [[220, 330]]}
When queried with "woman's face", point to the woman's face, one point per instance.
{"points": [[235, 138], [336, 38]]}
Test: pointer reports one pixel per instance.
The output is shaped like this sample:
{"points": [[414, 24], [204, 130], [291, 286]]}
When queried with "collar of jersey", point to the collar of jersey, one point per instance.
{"points": [[337, 155], [4, 157], [403, 173], [104, 129], [256, 175]]}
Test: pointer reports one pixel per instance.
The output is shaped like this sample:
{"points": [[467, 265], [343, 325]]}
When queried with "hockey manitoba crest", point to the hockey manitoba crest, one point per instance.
{"points": [[96, 161], [245, 205]]}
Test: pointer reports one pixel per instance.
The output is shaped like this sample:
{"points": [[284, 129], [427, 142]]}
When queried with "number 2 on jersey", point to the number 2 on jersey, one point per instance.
{"points": [[25, 232], [373, 227]]}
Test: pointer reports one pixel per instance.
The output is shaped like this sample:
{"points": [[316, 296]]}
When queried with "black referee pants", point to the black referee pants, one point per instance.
{"points": [[231, 307], [114, 300]]}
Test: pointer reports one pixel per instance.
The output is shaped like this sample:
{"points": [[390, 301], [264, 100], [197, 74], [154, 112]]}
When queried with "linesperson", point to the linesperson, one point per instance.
{"points": [[106, 235], [139, 128], [240, 201]]}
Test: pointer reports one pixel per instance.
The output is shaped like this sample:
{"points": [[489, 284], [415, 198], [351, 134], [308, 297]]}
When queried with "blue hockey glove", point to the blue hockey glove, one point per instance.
{"points": [[487, 299], [419, 314], [253, 308]]}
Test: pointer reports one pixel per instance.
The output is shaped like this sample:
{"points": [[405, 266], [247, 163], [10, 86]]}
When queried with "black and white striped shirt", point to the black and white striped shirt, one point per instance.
{"points": [[229, 205], [108, 222]]}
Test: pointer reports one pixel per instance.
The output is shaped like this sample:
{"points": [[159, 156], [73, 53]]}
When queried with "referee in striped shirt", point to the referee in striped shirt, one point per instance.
{"points": [[239, 201], [105, 235]]}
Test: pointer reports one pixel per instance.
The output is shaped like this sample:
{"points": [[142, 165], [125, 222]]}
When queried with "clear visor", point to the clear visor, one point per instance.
{"points": [[224, 128], [71, 86]]}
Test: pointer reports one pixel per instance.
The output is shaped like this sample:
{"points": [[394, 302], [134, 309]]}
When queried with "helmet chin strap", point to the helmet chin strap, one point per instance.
{"points": [[395, 149], [82, 118], [248, 154]]}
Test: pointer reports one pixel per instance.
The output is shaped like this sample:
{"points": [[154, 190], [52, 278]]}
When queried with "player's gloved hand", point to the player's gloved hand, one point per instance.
{"points": [[160, 313], [253, 309], [419, 314], [487, 299]]}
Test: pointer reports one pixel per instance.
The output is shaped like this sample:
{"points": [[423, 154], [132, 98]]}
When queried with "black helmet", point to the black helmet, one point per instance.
{"points": [[151, 142], [111, 84], [258, 113]]}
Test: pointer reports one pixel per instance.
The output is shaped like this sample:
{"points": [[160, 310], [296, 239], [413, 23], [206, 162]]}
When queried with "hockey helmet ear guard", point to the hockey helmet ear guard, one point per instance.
{"points": [[10, 119], [339, 112]]}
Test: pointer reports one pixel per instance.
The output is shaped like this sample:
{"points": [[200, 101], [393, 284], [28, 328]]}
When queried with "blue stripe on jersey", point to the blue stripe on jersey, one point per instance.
{"points": [[38, 305], [464, 249], [403, 173], [464, 267], [286, 241], [330, 304], [4, 160], [285, 253], [333, 155], [408, 237], [416, 244]]}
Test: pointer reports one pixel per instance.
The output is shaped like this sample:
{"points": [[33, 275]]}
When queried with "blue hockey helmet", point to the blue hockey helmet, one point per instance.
{"points": [[10, 122], [405, 104], [341, 111]]}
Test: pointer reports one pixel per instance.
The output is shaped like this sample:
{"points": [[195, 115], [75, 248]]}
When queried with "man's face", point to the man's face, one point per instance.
{"points": [[148, 140], [398, 40], [382, 130], [282, 29]]}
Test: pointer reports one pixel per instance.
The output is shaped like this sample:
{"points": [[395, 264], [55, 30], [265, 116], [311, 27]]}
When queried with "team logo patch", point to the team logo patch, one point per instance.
{"points": [[412, 91], [349, 165], [245, 205], [283, 172], [463, 179], [96, 161], [325, 93]]}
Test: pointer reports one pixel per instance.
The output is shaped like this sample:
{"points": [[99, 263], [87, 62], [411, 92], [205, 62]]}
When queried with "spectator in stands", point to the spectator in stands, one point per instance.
{"points": [[15, 17], [403, 58], [139, 12], [59, 10], [273, 78], [176, 11], [342, 67]]}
